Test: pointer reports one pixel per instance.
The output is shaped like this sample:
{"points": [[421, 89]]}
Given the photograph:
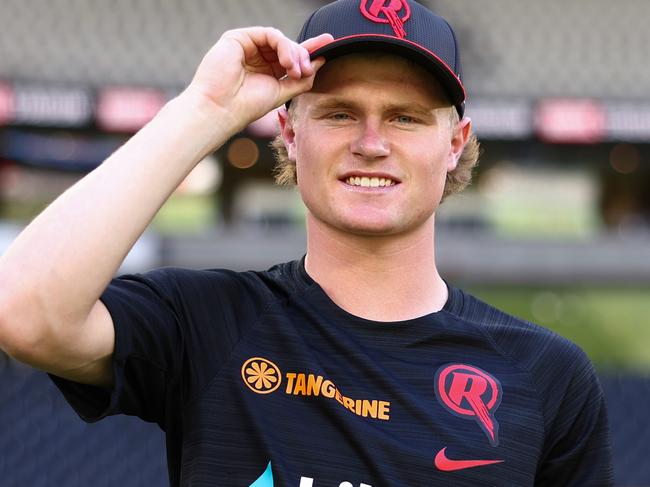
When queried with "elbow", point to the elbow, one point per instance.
{"points": [[6, 331], [26, 320], [19, 336]]}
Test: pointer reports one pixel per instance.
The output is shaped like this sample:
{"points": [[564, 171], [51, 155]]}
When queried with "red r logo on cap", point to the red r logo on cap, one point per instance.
{"points": [[391, 10]]}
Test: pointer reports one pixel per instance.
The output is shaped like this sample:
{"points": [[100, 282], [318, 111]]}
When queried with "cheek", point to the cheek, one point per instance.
{"points": [[431, 178], [308, 170], [300, 157], [442, 161], [312, 155], [433, 165]]}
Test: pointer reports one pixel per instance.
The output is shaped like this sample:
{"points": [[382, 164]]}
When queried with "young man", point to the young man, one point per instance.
{"points": [[355, 366]]}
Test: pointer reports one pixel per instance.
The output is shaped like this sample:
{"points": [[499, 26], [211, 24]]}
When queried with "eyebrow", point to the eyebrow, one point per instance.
{"points": [[336, 103]]}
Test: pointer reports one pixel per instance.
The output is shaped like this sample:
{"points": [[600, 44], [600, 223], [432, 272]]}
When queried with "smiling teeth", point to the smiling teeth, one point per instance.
{"points": [[366, 182]]}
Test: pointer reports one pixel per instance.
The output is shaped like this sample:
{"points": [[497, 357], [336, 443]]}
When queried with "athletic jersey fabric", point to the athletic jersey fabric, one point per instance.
{"points": [[259, 379]]}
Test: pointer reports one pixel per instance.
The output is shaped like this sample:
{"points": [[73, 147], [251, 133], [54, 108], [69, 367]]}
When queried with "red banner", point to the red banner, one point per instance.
{"points": [[128, 109], [7, 104], [576, 121]]}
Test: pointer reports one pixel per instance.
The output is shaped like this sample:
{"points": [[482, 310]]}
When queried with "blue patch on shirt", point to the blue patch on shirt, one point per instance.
{"points": [[266, 479]]}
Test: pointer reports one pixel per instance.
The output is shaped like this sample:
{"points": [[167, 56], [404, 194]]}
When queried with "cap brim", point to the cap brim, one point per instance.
{"points": [[400, 47]]}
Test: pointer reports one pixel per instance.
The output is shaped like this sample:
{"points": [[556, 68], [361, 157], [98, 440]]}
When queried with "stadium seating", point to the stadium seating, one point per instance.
{"points": [[510, 48]]}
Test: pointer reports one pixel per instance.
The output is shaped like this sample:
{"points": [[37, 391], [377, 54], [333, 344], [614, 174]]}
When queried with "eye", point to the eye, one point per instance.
{"points": [[405, 119], [339, 116]]}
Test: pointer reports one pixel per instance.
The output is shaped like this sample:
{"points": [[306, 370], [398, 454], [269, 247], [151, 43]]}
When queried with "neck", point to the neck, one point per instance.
{"points": [[389, 278]]}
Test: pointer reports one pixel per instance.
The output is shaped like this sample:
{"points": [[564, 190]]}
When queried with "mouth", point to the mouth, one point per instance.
{"points": [[370, 182]]}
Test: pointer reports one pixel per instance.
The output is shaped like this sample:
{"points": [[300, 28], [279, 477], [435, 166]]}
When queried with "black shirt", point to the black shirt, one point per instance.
{"points": [[259, 379]]}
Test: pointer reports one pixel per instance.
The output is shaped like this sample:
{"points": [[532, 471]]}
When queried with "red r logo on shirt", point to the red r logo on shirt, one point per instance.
{"points": [[393, 12], [470, 393]]}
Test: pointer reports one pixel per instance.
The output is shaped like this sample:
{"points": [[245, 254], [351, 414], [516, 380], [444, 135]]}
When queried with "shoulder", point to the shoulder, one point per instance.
{"points": [[557, 367], [214, 286], [525, 342]]}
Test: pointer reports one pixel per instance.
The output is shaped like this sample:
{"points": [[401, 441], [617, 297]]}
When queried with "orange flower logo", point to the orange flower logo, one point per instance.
{"points": [[260, 375]]}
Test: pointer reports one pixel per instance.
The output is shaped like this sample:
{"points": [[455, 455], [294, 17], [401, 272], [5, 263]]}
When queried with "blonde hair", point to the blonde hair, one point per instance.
{"points": [[457, 180]]}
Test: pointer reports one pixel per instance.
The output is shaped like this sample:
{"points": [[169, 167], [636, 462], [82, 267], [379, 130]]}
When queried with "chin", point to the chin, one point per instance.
{"points": [[372, 227], [371, 231], [370, 222]]}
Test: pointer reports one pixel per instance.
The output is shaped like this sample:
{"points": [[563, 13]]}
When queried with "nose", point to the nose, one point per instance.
{"points": [[370, 142]]}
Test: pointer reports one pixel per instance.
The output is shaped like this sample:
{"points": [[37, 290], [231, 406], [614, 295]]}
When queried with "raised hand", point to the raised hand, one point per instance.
{"points": [[251, 71], [52, 317]]}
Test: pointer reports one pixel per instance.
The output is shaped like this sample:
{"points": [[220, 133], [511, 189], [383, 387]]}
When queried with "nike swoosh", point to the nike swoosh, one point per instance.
{"points": [[447, 465]]}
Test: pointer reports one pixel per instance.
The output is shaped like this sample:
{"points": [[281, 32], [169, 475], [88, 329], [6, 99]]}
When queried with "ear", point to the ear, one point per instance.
{"points": [[287, 132], [460, 135]]}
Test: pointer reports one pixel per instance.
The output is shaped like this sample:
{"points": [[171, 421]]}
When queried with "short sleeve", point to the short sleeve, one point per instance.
{"points": [[577, 450], [174, 329]]}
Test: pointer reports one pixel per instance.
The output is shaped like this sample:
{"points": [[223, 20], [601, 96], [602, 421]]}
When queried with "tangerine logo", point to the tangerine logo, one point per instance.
{"points": [[261, 375], [300, 384], [470, 393]]}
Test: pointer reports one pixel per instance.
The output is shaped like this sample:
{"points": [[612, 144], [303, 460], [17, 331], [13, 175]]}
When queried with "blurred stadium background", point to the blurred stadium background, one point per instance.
{"points": [[556, 227]]}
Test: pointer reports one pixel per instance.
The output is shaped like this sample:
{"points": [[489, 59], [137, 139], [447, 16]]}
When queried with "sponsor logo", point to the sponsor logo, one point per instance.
{"points": [[448, 465], [309, 482], [317, 385], [393, 12], [470, 393], [261, 375], [266, 479]]}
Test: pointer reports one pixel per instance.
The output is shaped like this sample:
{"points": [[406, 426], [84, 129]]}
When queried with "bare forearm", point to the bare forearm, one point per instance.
{"points": [[55, 271], [67, 255]]}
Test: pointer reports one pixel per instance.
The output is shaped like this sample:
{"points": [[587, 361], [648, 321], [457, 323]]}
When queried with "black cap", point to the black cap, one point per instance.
{"points": [[401, 27]]}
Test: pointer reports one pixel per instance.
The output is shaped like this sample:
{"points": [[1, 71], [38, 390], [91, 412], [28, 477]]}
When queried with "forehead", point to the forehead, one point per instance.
{"points": [[377, 75]]}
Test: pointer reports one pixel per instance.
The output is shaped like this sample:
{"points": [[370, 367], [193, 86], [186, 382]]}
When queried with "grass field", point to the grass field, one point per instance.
{"points": [[183, 214], [611, 324]]}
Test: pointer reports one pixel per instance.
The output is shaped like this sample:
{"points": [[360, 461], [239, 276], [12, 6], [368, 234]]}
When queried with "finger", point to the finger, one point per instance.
{"points": [[289, 58], [271, 58], [290, 88], [294, 57], [269, 42], [317, 42], [318, 63], [305, 61], [309, 46], [287, 51], [305, 65]]}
